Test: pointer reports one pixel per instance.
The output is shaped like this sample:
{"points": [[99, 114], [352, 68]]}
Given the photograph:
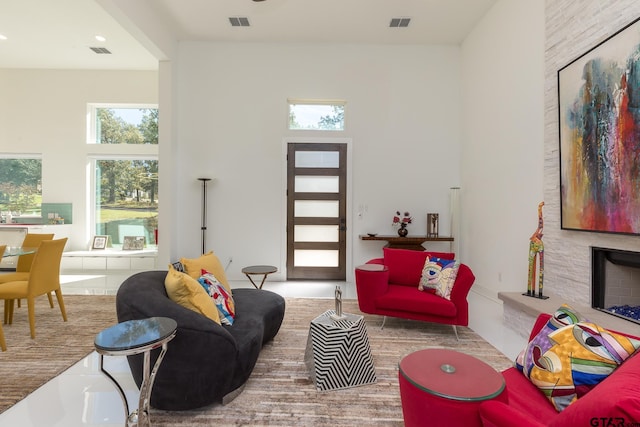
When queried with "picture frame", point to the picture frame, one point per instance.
{"points": [[432, 225], [133, 243], [598, 135], [99, 242]]}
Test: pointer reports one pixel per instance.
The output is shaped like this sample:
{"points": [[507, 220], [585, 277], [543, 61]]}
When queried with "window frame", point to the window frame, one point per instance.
{"points": [[98, 152], [92, 114], [92, 189], [311, 102], [26, 156]]}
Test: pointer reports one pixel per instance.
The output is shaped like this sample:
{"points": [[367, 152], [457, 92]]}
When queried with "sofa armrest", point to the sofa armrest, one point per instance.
{"points": [[459, 292], [370, 284], [494, 413]]}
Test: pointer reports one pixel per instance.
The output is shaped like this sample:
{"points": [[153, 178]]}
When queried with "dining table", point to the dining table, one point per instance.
{"points": [[17, 251]]}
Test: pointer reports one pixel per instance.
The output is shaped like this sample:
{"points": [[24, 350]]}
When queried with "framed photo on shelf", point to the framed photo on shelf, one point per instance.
{"points": [[133, 243], [99, 242]]}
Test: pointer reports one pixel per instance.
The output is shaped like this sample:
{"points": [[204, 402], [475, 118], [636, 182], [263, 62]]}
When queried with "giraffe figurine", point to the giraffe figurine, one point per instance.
{"points": [[536, 250]]}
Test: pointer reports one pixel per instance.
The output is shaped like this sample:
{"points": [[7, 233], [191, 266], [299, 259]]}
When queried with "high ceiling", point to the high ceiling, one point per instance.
{"points": [[59, 34]]}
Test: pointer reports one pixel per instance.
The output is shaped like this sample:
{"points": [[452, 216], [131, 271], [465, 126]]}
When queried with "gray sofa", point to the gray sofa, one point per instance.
{"points": [[205, 361]]}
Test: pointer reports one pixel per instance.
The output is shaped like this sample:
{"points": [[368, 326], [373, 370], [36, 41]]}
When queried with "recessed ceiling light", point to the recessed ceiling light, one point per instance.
{"points": [[3, 37], [101, 38]]}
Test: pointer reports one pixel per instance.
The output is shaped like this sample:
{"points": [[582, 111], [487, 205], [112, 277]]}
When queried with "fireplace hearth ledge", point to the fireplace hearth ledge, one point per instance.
{"points": [[527, 310]]}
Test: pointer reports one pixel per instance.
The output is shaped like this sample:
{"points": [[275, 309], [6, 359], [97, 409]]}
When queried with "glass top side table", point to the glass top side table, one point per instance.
{"points": [[447, 385], [452, 375], [136, 337]]}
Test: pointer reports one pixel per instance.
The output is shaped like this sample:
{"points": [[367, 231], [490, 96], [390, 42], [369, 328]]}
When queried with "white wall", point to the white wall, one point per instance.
{"points": [[45, 112], [402, 117], [573, 27], [502, 150]]}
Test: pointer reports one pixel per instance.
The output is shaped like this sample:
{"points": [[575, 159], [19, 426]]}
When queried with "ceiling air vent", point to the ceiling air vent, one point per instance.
{"points": [[399, 22], [239, 21], [101, 50]]}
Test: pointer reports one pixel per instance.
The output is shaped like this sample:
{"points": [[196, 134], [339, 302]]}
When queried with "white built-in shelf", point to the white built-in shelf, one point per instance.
{"points": [[109, 259]]}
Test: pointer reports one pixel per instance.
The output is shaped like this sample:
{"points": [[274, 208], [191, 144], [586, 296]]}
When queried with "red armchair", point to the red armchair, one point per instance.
{"points": [[392, 289]]}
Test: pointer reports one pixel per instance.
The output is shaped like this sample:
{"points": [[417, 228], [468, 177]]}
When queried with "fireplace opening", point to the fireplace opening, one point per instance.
{"points": [[615, 282]]}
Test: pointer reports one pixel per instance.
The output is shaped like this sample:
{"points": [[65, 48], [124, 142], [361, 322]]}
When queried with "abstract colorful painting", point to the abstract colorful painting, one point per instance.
{"points": [[599, 113]]}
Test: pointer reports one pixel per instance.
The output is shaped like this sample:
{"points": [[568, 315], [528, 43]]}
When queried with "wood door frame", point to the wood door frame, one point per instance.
{"points": [[350, 218]]}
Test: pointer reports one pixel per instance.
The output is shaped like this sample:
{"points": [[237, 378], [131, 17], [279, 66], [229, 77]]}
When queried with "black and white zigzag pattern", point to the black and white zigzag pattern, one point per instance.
{"points": [[341, 353]]}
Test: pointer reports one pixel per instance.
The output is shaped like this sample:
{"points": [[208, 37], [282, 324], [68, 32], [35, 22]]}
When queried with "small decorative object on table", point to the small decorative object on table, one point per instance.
{"points": [[402, 223], [432, 224], [536, 250], [133, 243], [338, 314]]}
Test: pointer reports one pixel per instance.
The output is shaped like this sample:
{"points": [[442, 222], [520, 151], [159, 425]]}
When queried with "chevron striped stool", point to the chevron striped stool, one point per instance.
{"points": [[338, 353]]}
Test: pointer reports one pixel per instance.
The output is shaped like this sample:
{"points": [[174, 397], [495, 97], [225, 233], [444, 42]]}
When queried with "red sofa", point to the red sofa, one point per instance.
{"points": [[613, 402], [393, 291]]}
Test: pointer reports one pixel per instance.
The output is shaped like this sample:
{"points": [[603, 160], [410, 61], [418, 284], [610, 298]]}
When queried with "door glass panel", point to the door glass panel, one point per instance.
{"points": [[317, 184], [317, 159], [316, 233], [316, 208], [315, 258]]}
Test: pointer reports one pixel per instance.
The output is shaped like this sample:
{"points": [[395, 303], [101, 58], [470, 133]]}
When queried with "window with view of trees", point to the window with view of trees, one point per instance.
{"points": [[20, 187], [318, 115], [126, 186], [126, 125]]}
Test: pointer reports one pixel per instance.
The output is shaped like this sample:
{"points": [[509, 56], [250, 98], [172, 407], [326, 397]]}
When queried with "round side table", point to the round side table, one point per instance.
{"points": [[136, 337], [446, 387], [265, 270]]}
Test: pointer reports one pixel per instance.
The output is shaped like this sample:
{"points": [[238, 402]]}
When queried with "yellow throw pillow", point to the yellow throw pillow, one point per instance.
{"points": [[187, 292], [208, 262]]}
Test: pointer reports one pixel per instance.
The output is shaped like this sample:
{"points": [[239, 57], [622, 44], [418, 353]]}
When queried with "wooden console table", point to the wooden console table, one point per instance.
{"points": [[410, 242]]}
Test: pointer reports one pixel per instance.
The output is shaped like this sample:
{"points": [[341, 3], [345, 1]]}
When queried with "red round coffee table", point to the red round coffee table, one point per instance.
{"points": [[441, 387]]}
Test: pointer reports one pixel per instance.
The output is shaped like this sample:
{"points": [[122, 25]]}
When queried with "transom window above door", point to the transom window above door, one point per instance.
{"points": [[323, 115]]}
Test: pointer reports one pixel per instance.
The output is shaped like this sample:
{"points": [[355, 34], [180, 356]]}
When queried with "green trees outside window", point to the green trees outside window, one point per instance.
{"points": [[20, 187], [126, 189]]}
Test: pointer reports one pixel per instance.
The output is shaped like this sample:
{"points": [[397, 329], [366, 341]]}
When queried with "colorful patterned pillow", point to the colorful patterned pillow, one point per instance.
{"points": [[221, 298], [186, 291], [580, 357], [439, 274], [563, 316]]}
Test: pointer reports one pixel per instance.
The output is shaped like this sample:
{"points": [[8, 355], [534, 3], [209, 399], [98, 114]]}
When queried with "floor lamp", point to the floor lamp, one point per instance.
{"points": [[455, 219], [204, 211]]}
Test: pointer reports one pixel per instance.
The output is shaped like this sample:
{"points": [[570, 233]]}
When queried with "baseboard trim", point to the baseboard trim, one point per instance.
{"points": [[486, 293]]}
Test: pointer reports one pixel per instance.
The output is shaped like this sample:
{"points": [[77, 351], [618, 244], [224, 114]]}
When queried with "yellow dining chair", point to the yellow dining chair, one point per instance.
{"points": [[3, 343], [31, 240], [44, 277]]}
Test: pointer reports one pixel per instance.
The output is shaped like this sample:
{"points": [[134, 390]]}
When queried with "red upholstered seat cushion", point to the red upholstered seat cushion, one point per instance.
{"points": [[616, 398], [405, 298], [527, 398], [405, 266]]}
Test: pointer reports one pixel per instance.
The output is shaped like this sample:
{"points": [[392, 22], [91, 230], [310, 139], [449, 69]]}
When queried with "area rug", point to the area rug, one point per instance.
{"points": [[29, 363], [280, 392]]}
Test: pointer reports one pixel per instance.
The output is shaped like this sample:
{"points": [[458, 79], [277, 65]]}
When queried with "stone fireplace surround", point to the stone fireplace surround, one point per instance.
{"points": [[520, 311], [572, 27]]}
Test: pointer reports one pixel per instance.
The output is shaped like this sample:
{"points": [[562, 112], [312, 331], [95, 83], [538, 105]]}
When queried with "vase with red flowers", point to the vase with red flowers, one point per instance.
{"points": [[401, 221]]}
